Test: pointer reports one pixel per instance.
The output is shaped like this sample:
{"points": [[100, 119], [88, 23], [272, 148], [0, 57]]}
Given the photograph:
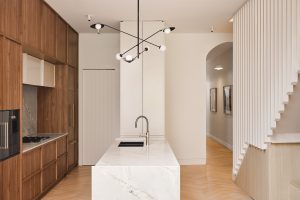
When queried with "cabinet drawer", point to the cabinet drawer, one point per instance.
{"points": [[49, 176], [31, 162], [61, 146], [32, 187], [71, 155], [61, 166], [48, 153]]}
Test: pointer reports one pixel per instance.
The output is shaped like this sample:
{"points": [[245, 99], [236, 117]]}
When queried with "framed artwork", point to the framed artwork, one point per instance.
{"points": [[213, 99], [227, 96]]}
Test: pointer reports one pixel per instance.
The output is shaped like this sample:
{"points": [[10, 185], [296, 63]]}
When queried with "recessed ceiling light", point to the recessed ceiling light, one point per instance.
{"points": [[218, 68]]}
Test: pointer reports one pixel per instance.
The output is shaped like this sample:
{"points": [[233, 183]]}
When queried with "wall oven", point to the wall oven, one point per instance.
{"points": [[9, 133]]}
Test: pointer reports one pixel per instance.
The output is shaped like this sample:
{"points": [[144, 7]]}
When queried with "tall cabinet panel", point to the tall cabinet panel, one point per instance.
{"points": [[10, 19], [142, 82], [131, 87], [72, 47], [11, 74], [11, 179], [32, 12], [48, 31], [52, 104], [72, 117], [61, 39]]}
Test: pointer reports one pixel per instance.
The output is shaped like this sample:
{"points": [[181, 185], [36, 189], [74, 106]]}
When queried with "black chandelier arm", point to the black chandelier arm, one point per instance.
{"points": [[130, 34], [144, 40]]}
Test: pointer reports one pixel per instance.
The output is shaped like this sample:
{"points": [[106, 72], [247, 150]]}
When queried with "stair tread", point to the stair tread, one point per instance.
{"points": [[285, 138]]}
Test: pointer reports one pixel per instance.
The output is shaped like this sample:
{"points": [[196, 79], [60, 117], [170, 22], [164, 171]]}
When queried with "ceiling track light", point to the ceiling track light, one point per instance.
{"points": [[129, 58]]}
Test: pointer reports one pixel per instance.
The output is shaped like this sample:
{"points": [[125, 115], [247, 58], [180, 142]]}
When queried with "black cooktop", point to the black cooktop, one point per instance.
{"points": [[34, 139]]}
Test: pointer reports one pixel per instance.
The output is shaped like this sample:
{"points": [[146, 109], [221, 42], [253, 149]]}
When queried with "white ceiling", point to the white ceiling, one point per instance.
{"points": [[186, 15]]}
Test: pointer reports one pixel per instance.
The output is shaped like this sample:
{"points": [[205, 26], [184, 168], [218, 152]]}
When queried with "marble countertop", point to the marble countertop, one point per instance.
{"points": [[53, 136], [158, 153]]}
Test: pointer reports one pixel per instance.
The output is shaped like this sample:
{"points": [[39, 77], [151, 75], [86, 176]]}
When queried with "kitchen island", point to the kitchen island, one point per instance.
{"points": [[129, 173]]}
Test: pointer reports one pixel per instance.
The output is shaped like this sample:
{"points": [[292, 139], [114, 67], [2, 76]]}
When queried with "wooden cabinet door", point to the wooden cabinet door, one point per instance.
{"points": [[71, 155], [11, 74], [11, 179], [31, 188], [61, 146], [48, 177], [31, 163], [71, 103], [48, 31], [32, 12], [12, 19], [61, 166], [48, 153], [61, 39], [72, 47]]}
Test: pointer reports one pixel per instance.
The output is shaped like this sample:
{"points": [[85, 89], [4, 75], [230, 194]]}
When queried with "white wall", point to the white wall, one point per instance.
{"points": [[186, 93], [98, 52], [219, 125]]}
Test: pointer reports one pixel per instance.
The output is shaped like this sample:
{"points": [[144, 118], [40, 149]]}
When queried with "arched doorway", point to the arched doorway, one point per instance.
{"points": [[219, 78]]}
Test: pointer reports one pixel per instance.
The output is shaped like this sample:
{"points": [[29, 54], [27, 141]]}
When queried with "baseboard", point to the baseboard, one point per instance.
{"points": [[229, 146], [192, 161]]}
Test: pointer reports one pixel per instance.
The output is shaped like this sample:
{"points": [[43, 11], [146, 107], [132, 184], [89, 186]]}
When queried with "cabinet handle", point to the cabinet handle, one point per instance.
{"points": [[4, 144], [73, 115], [6, 136]]}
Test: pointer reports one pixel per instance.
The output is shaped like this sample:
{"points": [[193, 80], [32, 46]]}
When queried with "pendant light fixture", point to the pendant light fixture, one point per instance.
{"points": [[124, 55]]}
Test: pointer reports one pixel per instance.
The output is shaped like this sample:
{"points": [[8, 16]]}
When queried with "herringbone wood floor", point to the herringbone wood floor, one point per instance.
{"points": [[209, 182]]}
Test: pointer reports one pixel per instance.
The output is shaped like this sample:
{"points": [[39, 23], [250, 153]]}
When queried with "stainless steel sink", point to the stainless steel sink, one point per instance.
{"points": [[131, 144]]}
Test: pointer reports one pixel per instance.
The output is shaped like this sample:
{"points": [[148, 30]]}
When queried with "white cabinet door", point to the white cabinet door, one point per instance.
{"points": [[131, 84], [99, 113], [154, 79]]}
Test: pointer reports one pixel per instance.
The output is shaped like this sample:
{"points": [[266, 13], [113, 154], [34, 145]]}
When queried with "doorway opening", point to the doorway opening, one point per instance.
{"points": [[219, 73]]}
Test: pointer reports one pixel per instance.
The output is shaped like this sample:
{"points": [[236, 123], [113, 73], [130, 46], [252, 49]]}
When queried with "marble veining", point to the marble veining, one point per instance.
{"points": [[131, 173]]}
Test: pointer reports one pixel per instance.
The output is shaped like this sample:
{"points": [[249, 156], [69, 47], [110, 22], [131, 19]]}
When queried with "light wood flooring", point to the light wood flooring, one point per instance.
{"points": [[209, 182]]}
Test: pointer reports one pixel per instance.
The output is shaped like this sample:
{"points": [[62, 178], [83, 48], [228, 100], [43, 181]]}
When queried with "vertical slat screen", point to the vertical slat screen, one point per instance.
{"points": [[266, 66]]}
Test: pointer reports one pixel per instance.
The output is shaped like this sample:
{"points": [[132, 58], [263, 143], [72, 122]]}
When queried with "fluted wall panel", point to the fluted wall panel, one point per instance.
{"points": [[266, 66]]}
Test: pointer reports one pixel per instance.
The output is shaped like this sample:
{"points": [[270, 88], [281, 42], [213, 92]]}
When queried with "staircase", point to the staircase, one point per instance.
{"points": [[266, 67]]}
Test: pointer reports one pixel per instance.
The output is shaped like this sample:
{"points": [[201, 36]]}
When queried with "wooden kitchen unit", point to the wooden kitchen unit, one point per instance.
{"points": [[34, 28], [43, 167]]}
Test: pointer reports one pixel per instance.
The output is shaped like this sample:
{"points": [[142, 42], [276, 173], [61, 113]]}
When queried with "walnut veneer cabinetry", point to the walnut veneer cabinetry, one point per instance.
{"points": [[43, 167], [72, 47], [61, 39], [10, 74], [32, 31], [31, 174], [10, 179], [48, 31], [72, 117], [10, 19]]}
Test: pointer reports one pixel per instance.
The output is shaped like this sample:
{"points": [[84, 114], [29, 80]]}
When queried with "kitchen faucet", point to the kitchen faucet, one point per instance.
{"points": [[147, 133]]}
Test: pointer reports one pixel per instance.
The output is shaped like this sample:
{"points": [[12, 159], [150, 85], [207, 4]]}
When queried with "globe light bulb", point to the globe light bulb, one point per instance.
{"points": [[167, 30], [128, 58], [98, 26], [162, 48], [118, 56]]}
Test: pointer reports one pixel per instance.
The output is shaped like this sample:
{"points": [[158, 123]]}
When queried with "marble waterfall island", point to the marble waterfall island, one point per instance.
{"points": [[130, 173]]}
